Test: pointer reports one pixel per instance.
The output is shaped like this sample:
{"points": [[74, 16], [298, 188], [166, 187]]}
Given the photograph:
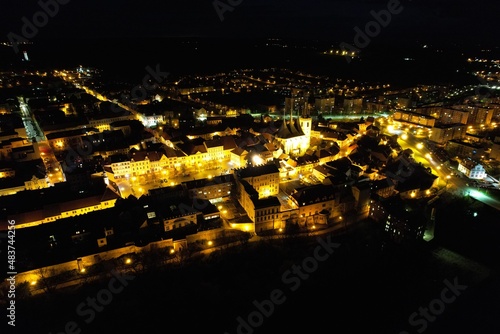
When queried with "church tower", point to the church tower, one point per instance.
{"points": [[305, 123]]}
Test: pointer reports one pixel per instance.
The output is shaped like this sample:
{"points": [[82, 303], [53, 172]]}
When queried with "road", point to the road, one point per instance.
{"points": [[33, 130], [449, 178], [423, 155], [53, 167]]}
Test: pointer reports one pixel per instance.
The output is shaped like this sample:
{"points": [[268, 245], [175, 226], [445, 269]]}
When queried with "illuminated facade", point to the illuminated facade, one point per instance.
{"points": [[209, 189], [316, 204], [324, 104], [104, 123], [265, 213], [183, 156], [294, 136], [63, 140], [7, 172], [239, 157], [454, 116], [72, 208], [36, 183], [472, 169], [443, 133], [152, 120], [264, 179], [170, 223], [479, 115], [409, 117]]}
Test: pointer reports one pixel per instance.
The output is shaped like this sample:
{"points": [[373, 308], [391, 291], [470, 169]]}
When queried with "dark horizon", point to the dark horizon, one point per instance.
{"points": [[444, 21], [125, 59]]}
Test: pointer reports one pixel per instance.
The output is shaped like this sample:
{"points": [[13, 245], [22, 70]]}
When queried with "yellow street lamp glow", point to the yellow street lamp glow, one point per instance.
{"points": [[128, 261], [172, 251], [33, 282], [210, 243]]}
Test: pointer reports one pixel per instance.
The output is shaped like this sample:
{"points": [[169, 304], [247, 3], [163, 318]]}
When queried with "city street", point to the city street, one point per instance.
{"points": [[33, 130], [449, 177], [53, 167]]}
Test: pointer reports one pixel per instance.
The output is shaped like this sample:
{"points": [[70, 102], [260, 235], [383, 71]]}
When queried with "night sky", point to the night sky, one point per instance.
{"points": [[426, 20]]}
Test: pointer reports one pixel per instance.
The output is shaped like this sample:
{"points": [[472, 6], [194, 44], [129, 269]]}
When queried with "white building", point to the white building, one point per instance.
{"points": [[472, 169]]}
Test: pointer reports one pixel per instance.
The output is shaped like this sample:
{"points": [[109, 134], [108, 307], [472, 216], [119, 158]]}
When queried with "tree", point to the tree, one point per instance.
{"points": [[49, 279]]}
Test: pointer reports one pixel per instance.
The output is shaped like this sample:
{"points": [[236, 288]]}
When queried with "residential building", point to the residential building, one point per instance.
{"points": [[264, 178], [265, 213], [472, 169], [316, 204]]}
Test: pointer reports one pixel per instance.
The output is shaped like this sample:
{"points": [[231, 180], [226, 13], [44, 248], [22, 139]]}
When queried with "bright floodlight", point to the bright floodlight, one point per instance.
{"points": [[257, 160]]}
